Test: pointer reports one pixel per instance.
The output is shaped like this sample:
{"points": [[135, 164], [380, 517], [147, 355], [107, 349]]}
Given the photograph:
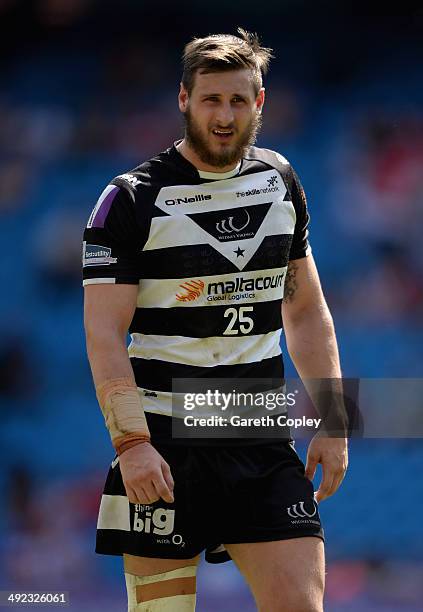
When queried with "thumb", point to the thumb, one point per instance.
{"points": [[310, 469]]}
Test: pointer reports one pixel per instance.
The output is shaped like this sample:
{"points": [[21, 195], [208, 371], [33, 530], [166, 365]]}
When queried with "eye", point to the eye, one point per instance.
{"points": [[237, 99]]}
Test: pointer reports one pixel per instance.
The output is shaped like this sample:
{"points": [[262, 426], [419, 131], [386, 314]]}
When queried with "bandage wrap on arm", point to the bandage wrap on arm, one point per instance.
{"points": [[123, 412]]}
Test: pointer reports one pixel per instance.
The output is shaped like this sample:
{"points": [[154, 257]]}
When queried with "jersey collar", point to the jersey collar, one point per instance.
{"points": [[211, 176], [216, 176]]}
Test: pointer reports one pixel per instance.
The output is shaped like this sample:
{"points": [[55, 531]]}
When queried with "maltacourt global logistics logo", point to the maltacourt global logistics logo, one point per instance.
{"points": [[191, 291], [240, 287]]}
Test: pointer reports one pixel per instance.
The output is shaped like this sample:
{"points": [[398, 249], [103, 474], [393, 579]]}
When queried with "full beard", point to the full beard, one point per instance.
{"points": [[233, 153]]}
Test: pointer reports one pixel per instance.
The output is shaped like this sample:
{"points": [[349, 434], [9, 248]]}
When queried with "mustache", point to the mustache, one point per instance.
{"points": [[224, 127]]}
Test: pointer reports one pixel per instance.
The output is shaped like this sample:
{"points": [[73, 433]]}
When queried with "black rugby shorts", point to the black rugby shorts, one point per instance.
{"points": [[223, 495]]}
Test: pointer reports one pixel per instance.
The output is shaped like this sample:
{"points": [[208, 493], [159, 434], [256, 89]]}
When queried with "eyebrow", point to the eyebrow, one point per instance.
{"points": [[235, 95]]}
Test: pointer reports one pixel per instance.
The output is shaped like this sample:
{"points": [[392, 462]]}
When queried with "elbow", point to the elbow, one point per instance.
{"points": [[309, 312], [308, 328], [102, 337]]}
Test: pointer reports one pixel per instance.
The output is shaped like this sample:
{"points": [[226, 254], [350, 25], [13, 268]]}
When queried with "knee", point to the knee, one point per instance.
{"points": [[294, 605], [298, 599]]}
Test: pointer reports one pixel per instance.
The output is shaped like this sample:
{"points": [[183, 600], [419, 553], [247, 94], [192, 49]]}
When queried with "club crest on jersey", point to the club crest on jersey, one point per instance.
{"points": [[227, 226], [191, 291], [234, 223]]}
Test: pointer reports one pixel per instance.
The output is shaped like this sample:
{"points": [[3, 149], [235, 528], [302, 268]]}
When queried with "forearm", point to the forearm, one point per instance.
{"points": [[108, 355], [116, 390], [312, 346], [311, 343]]}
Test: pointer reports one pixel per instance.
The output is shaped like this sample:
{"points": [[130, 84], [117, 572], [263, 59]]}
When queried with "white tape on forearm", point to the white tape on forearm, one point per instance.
{"points": [[123, 412]]}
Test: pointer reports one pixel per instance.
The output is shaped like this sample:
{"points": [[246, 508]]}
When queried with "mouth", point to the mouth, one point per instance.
{"points": [[223, 135]]}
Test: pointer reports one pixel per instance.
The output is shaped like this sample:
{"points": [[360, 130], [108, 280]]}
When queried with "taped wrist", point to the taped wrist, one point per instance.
{"points": [[123, 413]]}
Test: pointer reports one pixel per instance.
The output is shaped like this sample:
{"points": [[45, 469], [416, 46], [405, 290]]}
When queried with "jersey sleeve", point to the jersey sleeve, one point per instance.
{"points": [[300, 246], [110, 243]]}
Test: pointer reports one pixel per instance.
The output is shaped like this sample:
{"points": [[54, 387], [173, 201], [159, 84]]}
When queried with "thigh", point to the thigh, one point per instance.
{"points": [[284, 576], [158, 584]]}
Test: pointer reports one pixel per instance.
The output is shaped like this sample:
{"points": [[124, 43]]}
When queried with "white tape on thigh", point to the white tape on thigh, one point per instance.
{"points": [[164, 602]]}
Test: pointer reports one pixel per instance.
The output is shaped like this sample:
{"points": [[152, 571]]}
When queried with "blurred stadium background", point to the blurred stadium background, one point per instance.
{"points": [[88, 90]]}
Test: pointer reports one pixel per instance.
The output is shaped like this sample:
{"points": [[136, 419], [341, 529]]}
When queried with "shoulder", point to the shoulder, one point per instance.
{"points": [[272, 160], [119, 198], [151, 175], [135, 180], [276, 161], [267, 156]]}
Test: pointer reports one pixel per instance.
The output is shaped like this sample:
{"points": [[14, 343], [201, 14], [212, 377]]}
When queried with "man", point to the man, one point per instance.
{"points": [[166, 248]]}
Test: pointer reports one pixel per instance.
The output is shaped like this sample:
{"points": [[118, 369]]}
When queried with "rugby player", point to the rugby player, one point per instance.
{"points": [[187, 252]]}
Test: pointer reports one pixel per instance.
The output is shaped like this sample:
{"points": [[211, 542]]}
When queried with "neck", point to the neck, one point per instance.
{"points": [[189, 154]]}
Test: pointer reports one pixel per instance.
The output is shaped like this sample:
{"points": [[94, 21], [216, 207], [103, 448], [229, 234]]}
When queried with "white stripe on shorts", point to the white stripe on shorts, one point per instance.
{"points": [[114, 513]]}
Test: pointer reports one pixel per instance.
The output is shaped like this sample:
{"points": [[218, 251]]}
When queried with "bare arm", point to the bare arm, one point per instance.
{"points": [[308, 324], [311, 342], [108, 311]]}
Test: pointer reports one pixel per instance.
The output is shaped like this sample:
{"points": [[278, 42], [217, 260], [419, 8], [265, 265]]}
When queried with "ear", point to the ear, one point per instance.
{"points": [[183, 98], [260, 99]]}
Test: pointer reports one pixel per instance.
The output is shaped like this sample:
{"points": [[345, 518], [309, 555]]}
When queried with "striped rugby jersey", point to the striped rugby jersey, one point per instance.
{"points": [[209, 252]]}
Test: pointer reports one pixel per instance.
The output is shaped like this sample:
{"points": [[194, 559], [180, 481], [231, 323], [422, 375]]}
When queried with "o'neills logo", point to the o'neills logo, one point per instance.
{"points": [[242, 288], [192, 290], [197, 198]]}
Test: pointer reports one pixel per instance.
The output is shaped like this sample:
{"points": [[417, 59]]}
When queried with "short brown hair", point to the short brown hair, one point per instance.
{"points": [[224, 52]]}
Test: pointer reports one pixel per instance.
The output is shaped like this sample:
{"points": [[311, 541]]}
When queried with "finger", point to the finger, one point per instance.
{"points": [[134, 492], [132, 495], [310, 469], [167, 475], [143, 493], [337, 481], [149, 492], [339, 472], [326, 484], [162, 489]]}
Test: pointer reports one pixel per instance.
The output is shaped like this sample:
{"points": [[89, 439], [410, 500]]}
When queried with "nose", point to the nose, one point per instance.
{"points": [[225, 115]]}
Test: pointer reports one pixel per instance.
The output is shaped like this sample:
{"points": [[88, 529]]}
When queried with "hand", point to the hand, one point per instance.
{"points": [[332, 453], [146, 475]]}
